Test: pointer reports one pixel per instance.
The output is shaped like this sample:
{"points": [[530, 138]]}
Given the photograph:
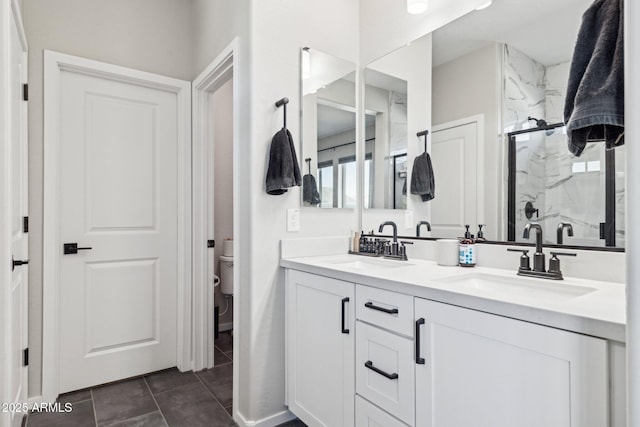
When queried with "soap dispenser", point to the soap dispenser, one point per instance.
{"points": [[467, 250]]}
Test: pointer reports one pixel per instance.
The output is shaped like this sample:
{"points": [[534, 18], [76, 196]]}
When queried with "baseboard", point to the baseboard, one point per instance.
{"points": [[270, 421], [225, 326]]}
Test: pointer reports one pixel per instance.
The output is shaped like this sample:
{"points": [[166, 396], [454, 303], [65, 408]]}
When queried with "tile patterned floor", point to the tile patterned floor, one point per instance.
{"points": [[167, 398]]}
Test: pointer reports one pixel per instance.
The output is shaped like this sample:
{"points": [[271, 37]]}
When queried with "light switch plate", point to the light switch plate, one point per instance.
{"points": [[408, 219], [293, 219]]}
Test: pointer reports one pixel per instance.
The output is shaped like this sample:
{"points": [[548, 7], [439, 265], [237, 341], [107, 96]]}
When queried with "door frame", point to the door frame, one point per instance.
{"points": [[10, 14], [217, 73], [478, 119], [54, 64]]}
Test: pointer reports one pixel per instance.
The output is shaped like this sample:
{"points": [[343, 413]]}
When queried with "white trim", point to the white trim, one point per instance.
{"points": [[17, 18], [215, 75], [54, 63], [478, 119], [270, 421]]}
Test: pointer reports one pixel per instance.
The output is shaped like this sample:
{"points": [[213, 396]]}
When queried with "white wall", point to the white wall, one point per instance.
{"points": [[215, 24], [149, 35], [222, 102], [465, 87], [279, 30]]}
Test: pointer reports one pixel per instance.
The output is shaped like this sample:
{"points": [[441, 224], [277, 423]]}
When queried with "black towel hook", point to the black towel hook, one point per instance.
{"points": [[308, 160], [423, 133], [283, 102]]}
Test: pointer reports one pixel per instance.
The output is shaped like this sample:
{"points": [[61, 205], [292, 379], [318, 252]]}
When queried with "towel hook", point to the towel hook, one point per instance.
{"points": [[423, 133], [283, 102], [308, 160]]}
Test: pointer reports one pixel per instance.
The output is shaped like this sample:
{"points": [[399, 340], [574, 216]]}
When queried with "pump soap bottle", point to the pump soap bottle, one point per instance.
{"points": [[467, 250]]}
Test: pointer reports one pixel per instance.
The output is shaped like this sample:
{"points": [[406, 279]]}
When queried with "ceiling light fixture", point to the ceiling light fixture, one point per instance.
{"points": [[415, 7], [484, 6]]}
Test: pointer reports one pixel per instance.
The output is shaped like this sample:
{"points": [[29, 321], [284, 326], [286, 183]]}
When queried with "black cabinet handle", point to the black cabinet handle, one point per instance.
{"points": [[344, 301], [419, 360], [369, 365], [384, 310]]}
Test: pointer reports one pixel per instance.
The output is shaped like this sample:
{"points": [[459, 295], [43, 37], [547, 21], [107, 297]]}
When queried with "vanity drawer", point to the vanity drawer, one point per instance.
{"points": [[389, 310], [368, 415], [385, 373]]}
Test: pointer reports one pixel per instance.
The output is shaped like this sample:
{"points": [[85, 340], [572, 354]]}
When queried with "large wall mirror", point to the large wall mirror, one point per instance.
{"points": [[328, 130], [499, 79]]}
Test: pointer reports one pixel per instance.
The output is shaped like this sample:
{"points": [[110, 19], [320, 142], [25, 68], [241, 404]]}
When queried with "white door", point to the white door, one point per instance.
{"points": [[486, 370], [320, 349], [18, 206], [454, 154], [119, 202]]}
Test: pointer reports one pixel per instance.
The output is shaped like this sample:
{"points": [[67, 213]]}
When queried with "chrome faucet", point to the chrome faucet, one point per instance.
{"points": [[538, 257], [560, 231], [420, 224]]}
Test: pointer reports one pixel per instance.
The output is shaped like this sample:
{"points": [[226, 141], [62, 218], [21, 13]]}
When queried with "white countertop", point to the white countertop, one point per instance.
{"points": [[600, 312]]}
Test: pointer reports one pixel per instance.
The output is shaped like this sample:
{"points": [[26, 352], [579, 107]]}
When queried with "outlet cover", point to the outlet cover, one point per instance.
{"points": [[408, 219], [293, 219]]}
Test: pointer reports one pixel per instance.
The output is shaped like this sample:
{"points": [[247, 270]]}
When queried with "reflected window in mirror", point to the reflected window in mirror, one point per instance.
{"points": [[386, 125], [328, 130]]}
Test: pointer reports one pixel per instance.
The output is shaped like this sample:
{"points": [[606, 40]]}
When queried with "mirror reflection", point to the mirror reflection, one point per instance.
{"points": [[328, 130], [503, 74], [385, 165]]}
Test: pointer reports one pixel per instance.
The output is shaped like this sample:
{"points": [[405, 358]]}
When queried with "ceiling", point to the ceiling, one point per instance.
{"points": [[545, 30]]}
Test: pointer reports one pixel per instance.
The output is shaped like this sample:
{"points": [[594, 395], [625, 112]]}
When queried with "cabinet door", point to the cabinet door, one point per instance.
{"points": [[320, 349], [485, 370]]}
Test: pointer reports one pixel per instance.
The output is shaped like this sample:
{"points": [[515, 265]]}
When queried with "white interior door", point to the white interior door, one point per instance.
{"points": [[454, 155], [119, 201], [18, 207]]}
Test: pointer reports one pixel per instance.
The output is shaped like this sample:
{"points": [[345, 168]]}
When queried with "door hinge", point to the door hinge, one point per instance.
{"points": [[25, 357], [211, 243], [25, 92], [25, 224]]}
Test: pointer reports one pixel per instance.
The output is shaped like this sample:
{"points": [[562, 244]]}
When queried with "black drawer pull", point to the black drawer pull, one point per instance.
{"points": [[369, 365], [384, 310], [419, 360], [344, 301]]}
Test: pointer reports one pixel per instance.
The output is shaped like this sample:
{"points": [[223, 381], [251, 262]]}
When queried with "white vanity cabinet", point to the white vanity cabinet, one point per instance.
{"points": [[320, 350], [486, 370]]}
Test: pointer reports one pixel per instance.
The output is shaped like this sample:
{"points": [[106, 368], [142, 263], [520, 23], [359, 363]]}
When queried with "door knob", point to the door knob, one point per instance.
{"points": [[17, 263], [72, 248]]}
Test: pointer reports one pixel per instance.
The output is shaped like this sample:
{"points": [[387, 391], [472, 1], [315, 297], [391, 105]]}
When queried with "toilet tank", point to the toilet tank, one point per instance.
{"points": [[226, 275]]}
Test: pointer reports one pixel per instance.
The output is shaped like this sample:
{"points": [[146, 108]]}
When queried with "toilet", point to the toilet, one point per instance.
{"points": [[226, 274]]}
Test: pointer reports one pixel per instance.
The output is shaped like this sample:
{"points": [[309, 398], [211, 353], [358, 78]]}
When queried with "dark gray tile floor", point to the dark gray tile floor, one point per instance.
{"points": [[168, 398]]}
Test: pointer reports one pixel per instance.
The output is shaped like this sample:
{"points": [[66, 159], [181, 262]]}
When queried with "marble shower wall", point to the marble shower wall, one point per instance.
{"points": [[524, 96]]}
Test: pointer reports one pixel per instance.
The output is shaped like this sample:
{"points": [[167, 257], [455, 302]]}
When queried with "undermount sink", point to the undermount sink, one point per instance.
{"points": [[367, 263], [518, 287]]}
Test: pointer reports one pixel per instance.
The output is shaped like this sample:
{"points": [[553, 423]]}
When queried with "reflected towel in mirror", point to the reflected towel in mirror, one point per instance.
{"points": [[422, 179], [310, 190]]}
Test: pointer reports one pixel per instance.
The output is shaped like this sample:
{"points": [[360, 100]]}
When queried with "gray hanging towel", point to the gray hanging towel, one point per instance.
{"points": [[310, 190], [422, 180], [594, 106], [283, 171]]}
